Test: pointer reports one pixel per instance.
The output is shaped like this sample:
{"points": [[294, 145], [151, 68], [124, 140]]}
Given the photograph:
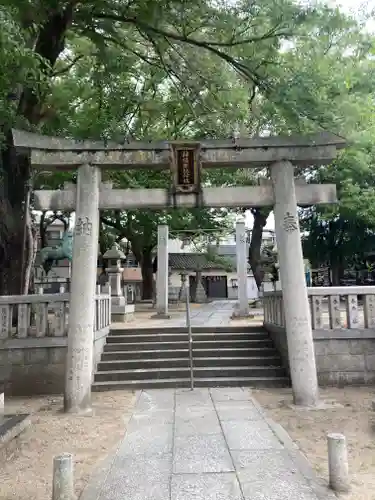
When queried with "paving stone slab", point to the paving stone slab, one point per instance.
{"points": [[249, 435], [203, 391], [127, 479], [191, 412], [266, 465], [230, 394], [193, 398], [204, 425], [205, 487], [277, 490], [199, 454], [155, 400], [153, 440], [148, 419], [237, 410]]}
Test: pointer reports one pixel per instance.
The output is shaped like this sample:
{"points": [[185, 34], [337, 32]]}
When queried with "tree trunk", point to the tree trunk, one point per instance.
{"points": [[337, 273], [147, 275], [15, 170], [260, 220]]}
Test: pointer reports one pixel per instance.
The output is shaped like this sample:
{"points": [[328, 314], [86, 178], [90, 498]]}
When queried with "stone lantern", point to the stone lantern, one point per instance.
{"points": [[200, 293], [114, 270]]}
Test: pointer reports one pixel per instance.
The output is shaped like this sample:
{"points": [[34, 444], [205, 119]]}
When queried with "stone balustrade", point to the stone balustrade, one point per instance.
{"points": [[343, 326], [102, 312], [332, 308], [44, 315], [34, 339]]}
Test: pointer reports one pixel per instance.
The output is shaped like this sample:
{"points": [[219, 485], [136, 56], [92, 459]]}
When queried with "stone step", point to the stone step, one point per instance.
{"points": [[256, 382], [199, 372], [211, 344], [184, 353], [180, 337], [183, 329], [132, 364]]}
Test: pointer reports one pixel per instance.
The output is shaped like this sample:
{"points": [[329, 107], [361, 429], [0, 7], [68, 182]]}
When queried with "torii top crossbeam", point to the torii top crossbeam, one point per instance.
{"points": [[49, 153]]}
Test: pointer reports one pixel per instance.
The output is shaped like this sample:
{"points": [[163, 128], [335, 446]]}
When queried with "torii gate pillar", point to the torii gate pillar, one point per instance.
{"points": [[293, 284], [242, 309], [79, 361]]}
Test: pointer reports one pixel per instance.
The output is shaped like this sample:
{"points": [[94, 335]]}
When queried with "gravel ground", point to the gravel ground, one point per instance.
{"points": [[26, 465], [352, 417]]}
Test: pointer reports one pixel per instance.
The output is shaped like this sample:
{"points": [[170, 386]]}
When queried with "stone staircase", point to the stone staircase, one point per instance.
{"points": [[223, 356]]}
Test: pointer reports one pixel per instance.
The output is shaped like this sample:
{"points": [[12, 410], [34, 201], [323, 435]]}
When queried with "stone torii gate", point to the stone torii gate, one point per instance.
{"points": [[185, 160]]}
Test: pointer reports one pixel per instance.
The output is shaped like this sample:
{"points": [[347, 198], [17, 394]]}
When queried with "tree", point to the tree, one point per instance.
{"points": [[327, 84], [168, 36], [341, 235], [155, 108]]}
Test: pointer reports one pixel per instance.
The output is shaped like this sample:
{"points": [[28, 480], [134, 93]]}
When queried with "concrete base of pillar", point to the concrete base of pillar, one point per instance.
{"points": [[119, 301], [241, 314], [120, 314], [161, 316]]}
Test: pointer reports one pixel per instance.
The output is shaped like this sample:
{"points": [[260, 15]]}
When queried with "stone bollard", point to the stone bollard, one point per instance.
{"points": [[338, 463], [63, 484]]}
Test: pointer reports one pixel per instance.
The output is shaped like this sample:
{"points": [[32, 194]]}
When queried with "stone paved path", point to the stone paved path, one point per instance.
{"points": [[206, 444], [216, 313]]}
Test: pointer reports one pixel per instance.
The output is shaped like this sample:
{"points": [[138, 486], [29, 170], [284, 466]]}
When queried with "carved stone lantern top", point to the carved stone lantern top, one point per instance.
{"points": [[114, 256], [114, 253]]}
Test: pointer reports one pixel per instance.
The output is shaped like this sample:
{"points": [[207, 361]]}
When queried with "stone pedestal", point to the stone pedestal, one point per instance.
{"points": [[293, 283], [79, 359], [242, 307], [120, 310], [162, 274]]}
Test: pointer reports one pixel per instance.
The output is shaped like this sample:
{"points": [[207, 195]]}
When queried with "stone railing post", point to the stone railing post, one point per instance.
{"points": [[2, 405], [352, 319], [41, 316]]}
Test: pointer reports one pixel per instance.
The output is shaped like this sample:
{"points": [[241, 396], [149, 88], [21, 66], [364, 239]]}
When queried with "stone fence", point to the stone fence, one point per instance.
{"points": [[33, 340], [343, 323]]}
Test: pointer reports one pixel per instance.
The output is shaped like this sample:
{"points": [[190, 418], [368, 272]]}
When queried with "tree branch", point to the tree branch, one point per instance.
{"points": [[147, 29], [193, 41], [68, 67]]}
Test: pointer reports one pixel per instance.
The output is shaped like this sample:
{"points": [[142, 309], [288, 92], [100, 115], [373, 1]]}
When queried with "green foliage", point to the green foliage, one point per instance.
{"points": [[171, 69], [220, 261], [19, 64]]}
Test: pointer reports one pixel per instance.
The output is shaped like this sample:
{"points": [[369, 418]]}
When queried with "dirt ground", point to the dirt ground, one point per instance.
{"points": [[354, 418], [26, 466]]}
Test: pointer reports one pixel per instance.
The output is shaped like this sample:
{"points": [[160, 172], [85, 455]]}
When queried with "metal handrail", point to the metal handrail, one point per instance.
{"points": [[188, 325]]}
